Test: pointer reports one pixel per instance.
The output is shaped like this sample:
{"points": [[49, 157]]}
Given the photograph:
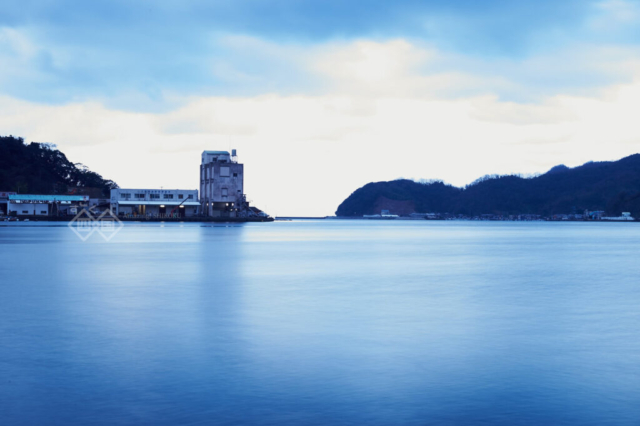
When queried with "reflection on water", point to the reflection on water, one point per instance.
{"points": [[329, 322]]}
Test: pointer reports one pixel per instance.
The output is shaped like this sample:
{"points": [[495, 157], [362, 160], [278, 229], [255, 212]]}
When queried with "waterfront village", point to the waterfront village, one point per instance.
{"points": [[221, 198]]}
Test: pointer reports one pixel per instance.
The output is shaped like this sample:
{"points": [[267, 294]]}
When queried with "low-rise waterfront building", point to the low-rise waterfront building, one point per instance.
{"points": [[155, 203], [384, 214], [45, 205], [594, 215], [625, 217], [99, 205]]}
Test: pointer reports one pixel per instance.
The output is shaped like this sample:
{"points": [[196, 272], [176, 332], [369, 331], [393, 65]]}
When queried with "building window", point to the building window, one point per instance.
{"points": [[125, 196], [43, 212], [235, 175], [224, 171], [25, 211], [139, 196], [154, 196], [180, 196], [190, 196], [168, 196]]}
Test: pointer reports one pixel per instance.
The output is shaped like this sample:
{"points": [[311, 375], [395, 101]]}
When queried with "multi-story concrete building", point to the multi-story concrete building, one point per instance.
{"points": [[159, 203], [221, 184]]}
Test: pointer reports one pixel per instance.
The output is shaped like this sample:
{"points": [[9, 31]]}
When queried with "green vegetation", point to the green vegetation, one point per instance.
{"points": [[610, 186], [39, 168]]}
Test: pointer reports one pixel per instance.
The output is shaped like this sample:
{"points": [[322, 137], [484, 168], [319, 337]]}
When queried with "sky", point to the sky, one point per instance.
{"points": [[322, 97]]}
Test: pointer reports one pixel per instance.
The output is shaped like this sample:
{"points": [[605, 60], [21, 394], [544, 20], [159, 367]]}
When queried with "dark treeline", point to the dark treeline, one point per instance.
{"points": [[610, 186], [39, 168]]}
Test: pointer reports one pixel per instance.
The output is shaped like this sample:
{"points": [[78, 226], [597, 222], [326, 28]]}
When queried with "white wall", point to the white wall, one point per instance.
{"points": [[31, 209]]}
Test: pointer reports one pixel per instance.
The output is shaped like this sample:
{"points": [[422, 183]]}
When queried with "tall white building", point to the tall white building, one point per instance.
{"points": [[221, 184]]}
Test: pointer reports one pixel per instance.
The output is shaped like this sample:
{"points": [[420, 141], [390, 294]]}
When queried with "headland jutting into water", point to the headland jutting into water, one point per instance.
{"points": [[593, 191], [68, 190]]}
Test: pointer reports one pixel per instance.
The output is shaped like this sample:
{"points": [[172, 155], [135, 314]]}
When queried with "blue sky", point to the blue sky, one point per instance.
{"points": [[516, 86], [133, 52]]}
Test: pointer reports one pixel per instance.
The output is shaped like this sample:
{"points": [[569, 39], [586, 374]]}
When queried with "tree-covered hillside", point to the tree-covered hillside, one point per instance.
{"points": [[39, 168], [610, 186]]}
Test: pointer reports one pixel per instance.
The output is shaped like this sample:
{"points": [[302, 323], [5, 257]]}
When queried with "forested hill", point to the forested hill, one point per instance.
{"points": [[39, 168], [610, 186]]}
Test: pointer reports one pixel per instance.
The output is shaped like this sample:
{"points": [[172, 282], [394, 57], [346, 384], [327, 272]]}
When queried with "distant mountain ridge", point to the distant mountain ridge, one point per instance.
{"points": [[39, 168], [612, 186]]}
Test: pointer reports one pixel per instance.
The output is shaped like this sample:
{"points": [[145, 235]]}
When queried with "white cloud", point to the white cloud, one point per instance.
{"points": [[17, 55], [409, 68], [611, 13], [15, 42], [369, 63]]}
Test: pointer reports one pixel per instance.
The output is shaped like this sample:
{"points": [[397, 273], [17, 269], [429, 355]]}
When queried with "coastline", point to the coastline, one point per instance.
{"points": [[145, 220]]}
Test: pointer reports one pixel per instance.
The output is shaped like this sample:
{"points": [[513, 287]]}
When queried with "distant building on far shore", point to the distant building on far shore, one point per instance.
{"points": [[626, 217], [594, 215], [221, 184]]}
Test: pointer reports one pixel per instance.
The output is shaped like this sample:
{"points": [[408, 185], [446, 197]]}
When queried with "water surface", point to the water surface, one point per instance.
{"points": [[321, 323]]}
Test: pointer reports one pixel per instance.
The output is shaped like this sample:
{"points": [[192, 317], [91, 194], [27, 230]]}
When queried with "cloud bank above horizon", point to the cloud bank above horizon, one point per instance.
{"points": [[322, 97]]}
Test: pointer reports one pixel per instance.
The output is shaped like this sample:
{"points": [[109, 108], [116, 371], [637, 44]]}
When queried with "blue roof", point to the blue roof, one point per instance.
{"points": [[216, 152], [31, 197]]}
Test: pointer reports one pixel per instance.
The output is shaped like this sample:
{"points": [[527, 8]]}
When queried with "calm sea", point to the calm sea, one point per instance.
{"points": [[321, 323]]}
